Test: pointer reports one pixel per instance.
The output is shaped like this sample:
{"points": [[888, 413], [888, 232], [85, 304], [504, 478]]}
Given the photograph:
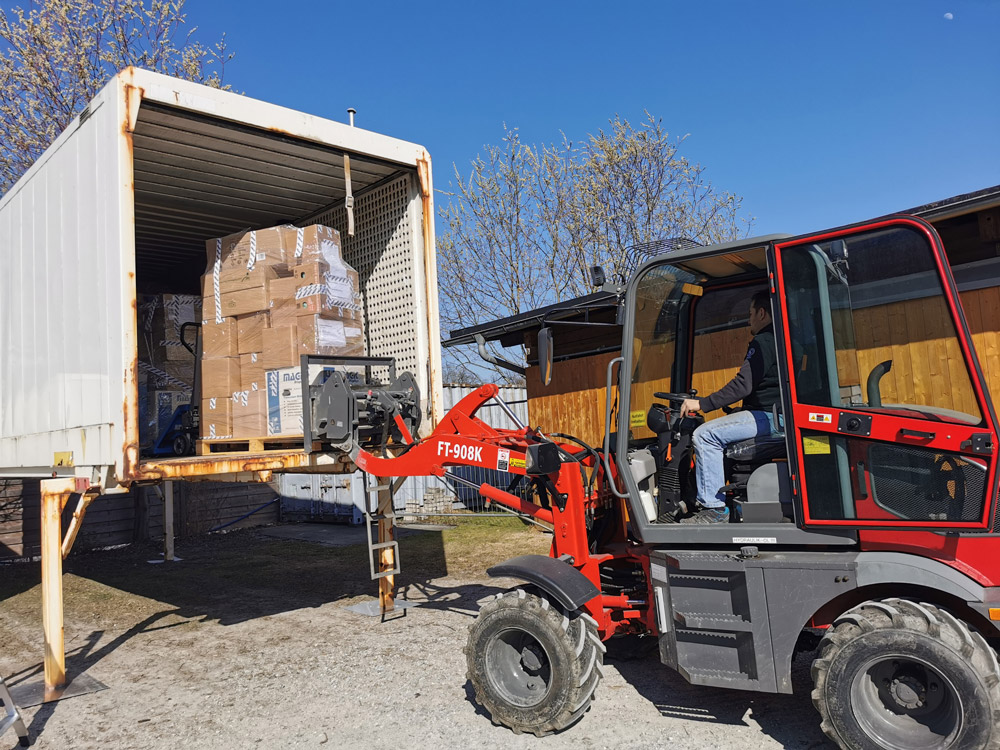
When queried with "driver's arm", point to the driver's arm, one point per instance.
{"points": [[749, 376]]}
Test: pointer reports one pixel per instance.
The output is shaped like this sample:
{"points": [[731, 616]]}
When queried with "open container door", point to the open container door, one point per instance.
{"points": [[890, 424]]}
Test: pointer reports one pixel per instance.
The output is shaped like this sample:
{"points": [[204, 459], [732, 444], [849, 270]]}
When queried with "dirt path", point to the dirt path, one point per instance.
{"points": [[248, 644]]}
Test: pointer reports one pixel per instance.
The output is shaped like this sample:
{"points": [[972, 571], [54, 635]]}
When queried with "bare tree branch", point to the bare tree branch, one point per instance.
{"points": [[56, 55], [524, 227]]}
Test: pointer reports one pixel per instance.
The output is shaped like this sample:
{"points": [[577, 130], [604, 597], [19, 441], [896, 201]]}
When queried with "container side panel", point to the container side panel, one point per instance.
{"points": [[62, 365]]}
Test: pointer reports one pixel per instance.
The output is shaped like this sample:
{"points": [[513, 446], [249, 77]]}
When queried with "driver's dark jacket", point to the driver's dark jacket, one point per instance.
{"points": [[756, 384]]}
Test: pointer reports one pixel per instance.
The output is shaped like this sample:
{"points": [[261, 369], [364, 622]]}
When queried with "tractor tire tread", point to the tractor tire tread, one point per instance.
{"points": [[917, 617], [577, 634]]}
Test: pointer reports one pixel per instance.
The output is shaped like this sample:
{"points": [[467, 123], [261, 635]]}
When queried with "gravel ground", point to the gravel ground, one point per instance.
{"points": [[248, 643]]}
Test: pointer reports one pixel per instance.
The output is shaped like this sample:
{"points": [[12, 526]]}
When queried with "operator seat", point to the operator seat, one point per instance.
{"points": [[757, 450]]}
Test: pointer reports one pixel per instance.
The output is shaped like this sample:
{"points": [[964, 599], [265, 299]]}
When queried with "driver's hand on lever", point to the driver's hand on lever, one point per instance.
{"points": [[690, 405]]}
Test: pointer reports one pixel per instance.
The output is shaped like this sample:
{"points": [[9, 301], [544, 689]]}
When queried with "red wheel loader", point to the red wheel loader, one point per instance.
{"points": [[869, 526]]}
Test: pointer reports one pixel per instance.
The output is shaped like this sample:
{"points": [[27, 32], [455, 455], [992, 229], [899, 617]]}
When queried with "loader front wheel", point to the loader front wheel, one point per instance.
{"points": [[901, 675], [533, 666]]}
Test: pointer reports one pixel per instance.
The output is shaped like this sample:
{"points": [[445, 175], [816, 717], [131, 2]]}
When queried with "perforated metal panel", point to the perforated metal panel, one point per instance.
{"points": [[382, 251]]}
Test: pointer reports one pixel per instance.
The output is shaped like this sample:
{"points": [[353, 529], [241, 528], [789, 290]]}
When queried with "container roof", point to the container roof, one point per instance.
{"points": [[198, 177]]}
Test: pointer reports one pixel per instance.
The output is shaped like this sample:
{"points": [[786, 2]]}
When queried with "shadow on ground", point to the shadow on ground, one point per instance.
{"points": [[789, 719]]}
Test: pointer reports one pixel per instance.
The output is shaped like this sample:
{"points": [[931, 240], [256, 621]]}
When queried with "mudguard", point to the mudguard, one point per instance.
{"points": [[567, 585]]}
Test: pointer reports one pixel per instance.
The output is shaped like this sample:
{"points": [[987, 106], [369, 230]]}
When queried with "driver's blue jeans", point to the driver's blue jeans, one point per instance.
{"points": [[710, 441]]}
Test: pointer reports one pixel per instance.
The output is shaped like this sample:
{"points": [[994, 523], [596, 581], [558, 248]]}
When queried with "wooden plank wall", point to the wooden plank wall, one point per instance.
{"points": [[926, 359], [133, 516], [573, 403]]}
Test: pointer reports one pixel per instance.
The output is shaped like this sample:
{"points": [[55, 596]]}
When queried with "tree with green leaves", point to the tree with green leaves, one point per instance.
{"points": [[57, 54], [524, 227]]}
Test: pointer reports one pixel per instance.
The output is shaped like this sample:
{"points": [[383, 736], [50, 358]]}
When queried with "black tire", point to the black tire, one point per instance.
{"points": [[898, 675], [533, 667], [181, 444]]}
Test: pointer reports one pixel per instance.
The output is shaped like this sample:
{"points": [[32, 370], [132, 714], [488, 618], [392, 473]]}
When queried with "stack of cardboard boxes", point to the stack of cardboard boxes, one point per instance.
{"points": [[270, 296]]}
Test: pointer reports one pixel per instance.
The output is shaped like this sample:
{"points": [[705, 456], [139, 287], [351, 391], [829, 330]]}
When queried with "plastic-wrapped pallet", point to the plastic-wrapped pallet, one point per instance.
{"points": [[270, 296]]}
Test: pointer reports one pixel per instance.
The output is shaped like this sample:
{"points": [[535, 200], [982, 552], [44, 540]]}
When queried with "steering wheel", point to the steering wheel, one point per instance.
{"points": [[674, 396]]}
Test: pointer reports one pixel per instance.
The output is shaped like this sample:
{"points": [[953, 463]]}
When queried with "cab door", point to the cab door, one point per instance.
{"points": [[888, 419]]}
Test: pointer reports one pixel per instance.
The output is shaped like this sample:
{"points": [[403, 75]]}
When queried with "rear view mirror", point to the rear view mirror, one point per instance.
{"points": [[545, 354]]}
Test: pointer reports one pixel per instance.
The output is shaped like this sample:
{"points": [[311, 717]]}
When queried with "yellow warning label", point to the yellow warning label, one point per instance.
{"points": [[516, 462], [815, 445], [637, 418]]}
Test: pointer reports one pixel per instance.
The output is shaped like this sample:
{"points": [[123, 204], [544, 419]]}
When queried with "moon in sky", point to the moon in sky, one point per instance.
{"points": [[949, 16]]}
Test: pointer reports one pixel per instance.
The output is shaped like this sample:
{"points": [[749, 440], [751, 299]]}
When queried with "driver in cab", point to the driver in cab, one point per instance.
{"points": [[756, 384]]}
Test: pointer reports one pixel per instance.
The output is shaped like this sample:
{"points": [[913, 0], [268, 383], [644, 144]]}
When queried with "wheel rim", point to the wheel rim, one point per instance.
{"points": [[519, 667], [903, 703]]}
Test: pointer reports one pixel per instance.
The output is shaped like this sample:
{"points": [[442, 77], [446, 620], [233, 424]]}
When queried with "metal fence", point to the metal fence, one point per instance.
{"points": [[341, 498]]}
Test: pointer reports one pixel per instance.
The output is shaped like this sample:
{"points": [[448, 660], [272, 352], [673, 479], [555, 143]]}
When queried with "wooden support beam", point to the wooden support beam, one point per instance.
{"points": [[387, 557], [55, 494], [168, 521]]}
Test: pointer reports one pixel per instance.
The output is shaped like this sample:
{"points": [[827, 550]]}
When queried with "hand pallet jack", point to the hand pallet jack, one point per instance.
{"points": [[178, 439]]}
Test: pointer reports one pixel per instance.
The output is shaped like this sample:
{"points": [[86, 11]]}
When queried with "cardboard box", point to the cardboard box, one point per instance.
{"points": [[251, 372], [178, 309], [219, 340], [343, 286], [220, 377], [250, 331], [315, 242], [233, 251], [217, 417], [281, 347], [235, 279], [245, 301], [165, 404], [283, 313], [282, 290], [249, 414], [311, 273], [320, 335], [284, 397]]}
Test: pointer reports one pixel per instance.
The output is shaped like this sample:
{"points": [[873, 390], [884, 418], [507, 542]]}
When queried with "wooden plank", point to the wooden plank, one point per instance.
{"points": [[207, 447]]}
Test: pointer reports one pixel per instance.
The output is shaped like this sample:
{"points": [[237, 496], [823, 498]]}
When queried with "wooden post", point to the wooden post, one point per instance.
{"points": [[168, 521], [387, 558], [55, 493], [52, 593]]}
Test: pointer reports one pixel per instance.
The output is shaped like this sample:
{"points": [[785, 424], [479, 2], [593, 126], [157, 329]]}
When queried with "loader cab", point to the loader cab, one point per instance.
{"points": [[886, 421]]}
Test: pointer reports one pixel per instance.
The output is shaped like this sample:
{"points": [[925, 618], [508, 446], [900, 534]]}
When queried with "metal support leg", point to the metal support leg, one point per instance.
{"points": [[11, 717], [168, 521], [55, 494]]}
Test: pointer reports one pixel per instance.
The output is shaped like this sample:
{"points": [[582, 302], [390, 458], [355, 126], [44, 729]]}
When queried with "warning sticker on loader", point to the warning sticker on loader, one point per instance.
{"points": [[637, 418], [820, 418], [503, 459], [516, 463], [816, 445]]}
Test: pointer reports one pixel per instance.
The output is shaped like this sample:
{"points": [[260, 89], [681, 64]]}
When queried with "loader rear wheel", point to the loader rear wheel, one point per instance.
{"points": [[898, 675], [533, 666]]}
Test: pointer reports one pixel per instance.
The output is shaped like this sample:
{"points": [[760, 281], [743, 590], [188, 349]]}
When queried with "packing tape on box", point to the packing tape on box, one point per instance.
{"points": [[163, 376], [212, 435], [308, 290], [299, 240], [253, 250], [215, 281], [241, 398]]}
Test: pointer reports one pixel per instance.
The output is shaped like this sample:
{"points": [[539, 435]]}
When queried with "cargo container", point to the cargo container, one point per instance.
{"points": [[122, 204]]}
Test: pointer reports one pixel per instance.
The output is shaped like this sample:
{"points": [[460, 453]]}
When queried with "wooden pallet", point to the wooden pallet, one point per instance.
{"points": [[286, 443]]}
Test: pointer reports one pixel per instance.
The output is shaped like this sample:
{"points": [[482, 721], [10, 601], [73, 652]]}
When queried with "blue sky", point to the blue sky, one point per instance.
{"points": [[817, 113]]}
